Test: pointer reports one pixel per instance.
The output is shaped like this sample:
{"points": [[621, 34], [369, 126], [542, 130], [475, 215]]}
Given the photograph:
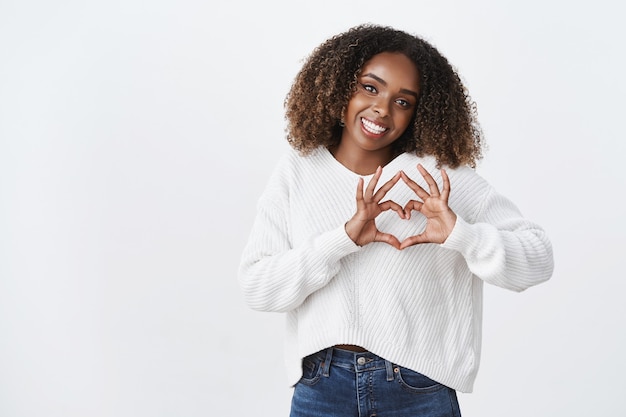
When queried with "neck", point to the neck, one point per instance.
{"points": [[360, 161]]}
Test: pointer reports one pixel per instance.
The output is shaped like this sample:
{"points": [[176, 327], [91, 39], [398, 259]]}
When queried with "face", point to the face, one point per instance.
{"points": [[383, 104]]}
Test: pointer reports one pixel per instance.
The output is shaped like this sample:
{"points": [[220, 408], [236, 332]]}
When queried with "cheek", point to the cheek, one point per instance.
{"points": [[356, 103], [404, 120]]}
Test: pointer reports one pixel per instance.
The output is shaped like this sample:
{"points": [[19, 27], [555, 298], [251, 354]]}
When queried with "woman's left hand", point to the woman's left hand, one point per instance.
{"points": [[440, 219]]}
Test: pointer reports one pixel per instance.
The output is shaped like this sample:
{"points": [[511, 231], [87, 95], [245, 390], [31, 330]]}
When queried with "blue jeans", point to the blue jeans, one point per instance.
{"points": [[342, 383]]}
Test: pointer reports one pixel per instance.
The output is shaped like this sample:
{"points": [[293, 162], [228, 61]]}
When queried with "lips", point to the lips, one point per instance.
{"points": [[372, 127]]}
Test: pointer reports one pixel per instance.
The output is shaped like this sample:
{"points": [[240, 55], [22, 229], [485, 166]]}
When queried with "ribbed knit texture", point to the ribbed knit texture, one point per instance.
{"points": [[421, 307]]}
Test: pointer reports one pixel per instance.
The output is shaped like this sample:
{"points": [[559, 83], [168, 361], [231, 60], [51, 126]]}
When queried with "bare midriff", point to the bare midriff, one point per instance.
{"points": [[353, 348]]}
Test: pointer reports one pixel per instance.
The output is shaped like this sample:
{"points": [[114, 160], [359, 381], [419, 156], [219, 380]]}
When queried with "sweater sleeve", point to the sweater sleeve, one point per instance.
{"points": [[501, 247], [274, 275]]}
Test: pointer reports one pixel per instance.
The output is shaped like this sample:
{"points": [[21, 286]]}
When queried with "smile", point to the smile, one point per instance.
{"points": [[372, 127]]}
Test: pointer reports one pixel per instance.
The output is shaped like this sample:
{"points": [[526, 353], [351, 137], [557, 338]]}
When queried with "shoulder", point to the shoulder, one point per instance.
{"points": [[468, 186], [463, 173], [294, 160], [467, 175], [292, 167]]}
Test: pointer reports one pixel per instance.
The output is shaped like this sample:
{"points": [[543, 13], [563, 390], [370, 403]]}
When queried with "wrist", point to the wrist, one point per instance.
{"points": [[353, 234]]}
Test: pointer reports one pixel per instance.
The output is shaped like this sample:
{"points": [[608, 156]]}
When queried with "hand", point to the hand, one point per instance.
{"points": [[362, 226], [440, 219]]}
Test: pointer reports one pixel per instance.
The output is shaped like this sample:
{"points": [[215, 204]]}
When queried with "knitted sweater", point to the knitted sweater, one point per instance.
{"points": [[420, 307]]}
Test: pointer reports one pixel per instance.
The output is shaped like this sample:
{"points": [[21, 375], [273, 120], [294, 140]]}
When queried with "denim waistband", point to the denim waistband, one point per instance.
{"points": [[354, 361]]}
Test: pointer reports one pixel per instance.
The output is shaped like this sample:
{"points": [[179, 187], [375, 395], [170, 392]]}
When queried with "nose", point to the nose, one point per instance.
{"points": [[381, 106]]}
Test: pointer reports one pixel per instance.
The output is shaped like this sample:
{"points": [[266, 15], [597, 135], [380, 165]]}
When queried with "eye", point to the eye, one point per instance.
{"points": [[369, 88], [402, 102]]}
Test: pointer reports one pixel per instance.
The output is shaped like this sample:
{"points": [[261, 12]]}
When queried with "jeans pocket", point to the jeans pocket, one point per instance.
{"points": [[415, 382], [311, 369]]}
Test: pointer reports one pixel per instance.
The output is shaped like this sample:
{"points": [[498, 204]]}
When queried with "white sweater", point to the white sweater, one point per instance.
{"points": [[420, 307]]}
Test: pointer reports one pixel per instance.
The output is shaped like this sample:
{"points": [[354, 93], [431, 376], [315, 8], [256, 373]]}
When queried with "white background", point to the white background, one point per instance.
{"points": [[136, 136]]}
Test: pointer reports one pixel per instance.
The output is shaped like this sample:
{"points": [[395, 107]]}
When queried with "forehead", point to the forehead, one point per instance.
{"points": [[393, 67]]}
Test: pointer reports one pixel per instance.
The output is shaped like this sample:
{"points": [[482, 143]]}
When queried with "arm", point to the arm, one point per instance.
{"points": [[499, 245], [275, 275], [503, 248]]}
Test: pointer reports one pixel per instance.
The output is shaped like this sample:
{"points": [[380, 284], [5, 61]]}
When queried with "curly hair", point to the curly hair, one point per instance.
{"points": [[444, 124]]}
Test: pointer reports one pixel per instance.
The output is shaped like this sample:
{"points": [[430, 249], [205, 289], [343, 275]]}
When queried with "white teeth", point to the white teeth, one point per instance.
{"points": [[372, 127]]}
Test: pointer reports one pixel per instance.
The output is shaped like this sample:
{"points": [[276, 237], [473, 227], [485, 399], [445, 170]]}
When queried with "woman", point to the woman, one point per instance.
{"points": [[383, 290]]}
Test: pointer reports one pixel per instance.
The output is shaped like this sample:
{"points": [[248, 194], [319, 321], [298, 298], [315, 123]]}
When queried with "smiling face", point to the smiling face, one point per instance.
{"points": [[379, 111]]}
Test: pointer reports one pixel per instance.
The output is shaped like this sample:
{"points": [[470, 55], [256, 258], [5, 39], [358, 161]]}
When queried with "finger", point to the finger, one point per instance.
{"points": [[414, 186], [413, 240], [386, 187], [359, 194], [387, 238], [445, 193], [412, 205], [432, 185], [392, 205], [371, 186]]}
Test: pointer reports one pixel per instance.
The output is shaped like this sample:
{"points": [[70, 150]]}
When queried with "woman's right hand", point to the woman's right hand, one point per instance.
{"points": [[362, 226]]}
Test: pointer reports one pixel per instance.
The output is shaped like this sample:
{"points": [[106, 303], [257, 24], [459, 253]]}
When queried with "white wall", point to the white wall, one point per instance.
{"points": [[136, 136]]}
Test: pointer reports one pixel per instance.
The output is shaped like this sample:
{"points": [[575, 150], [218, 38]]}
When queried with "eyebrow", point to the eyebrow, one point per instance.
{"points": [[383, 82]]}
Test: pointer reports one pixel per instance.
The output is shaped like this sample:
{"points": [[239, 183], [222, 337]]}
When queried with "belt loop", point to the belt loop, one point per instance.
{"points": [[326, 366], [389, 367]]}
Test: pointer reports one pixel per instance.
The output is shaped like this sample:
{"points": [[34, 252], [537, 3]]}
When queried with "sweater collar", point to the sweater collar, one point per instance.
{"points": [[395, 165]]}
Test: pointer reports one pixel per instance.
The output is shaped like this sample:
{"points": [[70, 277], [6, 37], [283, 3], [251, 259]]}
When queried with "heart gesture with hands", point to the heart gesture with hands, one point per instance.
{"points": [[362, 226], [440, 219]]}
